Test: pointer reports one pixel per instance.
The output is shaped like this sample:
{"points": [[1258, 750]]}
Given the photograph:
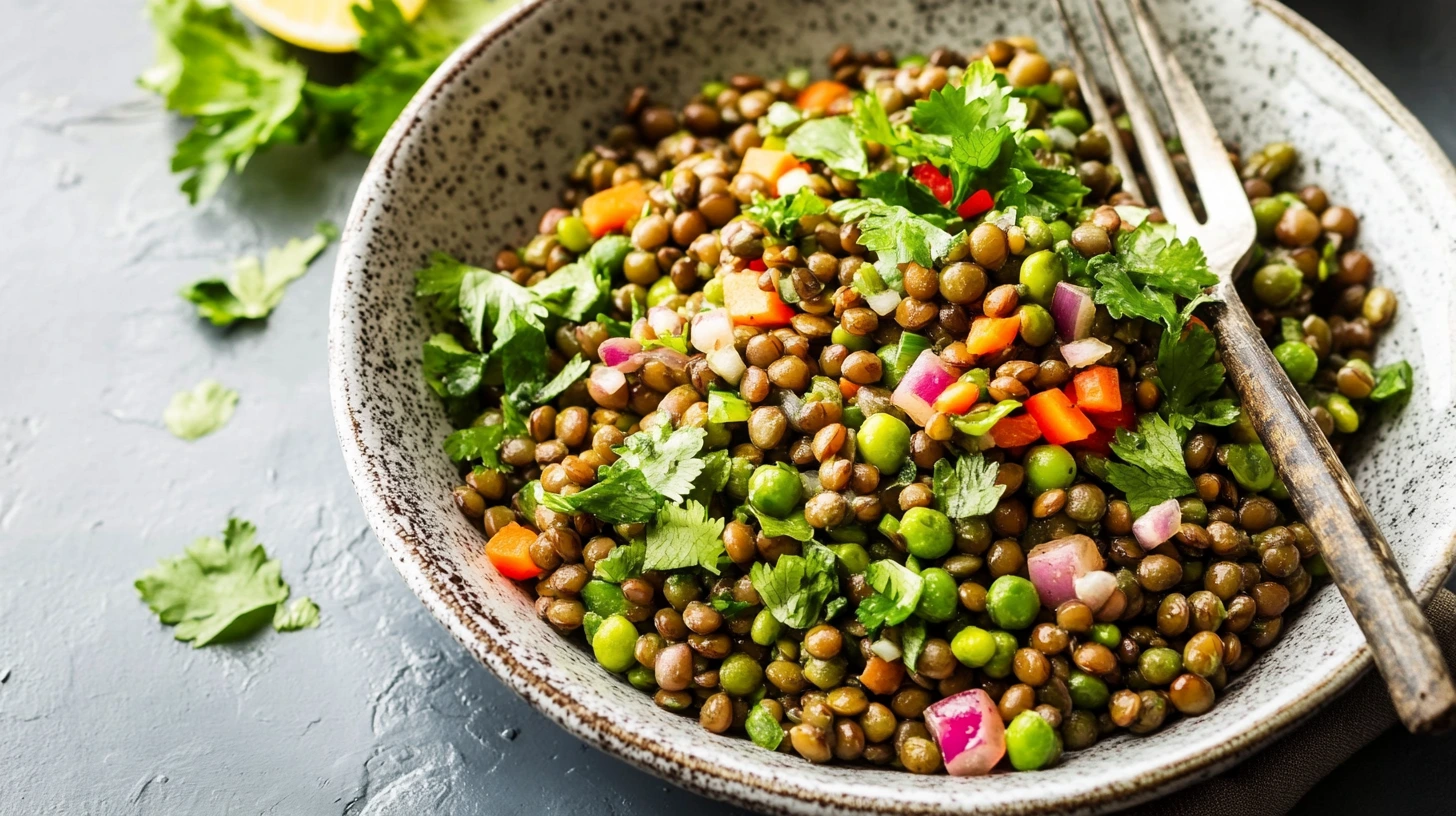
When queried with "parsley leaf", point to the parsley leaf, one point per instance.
{"points": [[481, 442], [451, 370], [1188, 376], [569, 373], [1154, 471], [441, 280], [895, 188], [684, 537], [256, 287], [621, 563], [620, 496], [1393, 385], [794, 590], [301, 614], [912, 641], [196, 413], [897, 591], [832, 141], [218, 589], [1124, 298], [716, 466], [968, 488], [795, 526], [780, 216], [1153, 256], [728, 607], [242, 91], [665, 458], [895, 234]]}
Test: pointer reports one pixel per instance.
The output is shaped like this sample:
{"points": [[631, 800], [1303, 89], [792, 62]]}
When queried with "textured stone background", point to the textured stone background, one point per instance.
{"points": [[377, 711]]}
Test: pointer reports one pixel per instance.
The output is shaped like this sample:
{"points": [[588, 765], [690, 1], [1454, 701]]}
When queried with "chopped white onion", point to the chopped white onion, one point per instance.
{"points": [[884, 302], [1084, 352], [885, 650], [726, 363]]}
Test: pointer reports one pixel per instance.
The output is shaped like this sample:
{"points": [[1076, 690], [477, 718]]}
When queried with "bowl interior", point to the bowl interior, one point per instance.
{"points": [[482, 152]]}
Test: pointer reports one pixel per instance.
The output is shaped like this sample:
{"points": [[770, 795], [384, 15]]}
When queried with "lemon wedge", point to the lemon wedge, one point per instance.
{"points": [[318, 25]]}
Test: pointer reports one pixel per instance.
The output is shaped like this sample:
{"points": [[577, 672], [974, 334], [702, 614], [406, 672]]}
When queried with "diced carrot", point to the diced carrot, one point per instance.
{"points": [[1100, 442], [509, 550], [976, 203], [1188, 327], [750, 306], [1015, 431], [957, 398], [881, 676], [757, 265], [768, 164], [1098, 390], [1059, 420], [992, 334], [848, 388], [937, 182], [818, 96], [1124, 417], [613, 207]]}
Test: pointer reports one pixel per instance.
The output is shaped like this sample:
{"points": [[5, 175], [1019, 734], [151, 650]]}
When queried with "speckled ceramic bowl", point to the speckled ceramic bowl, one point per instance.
{"points": [[480, 153]]}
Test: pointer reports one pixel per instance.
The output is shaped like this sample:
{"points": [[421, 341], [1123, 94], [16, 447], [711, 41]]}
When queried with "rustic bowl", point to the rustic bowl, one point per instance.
{"points": [[481, 152]]}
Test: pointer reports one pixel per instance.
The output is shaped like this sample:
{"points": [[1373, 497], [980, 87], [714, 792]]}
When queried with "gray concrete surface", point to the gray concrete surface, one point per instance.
{"points": [[377, 711]]}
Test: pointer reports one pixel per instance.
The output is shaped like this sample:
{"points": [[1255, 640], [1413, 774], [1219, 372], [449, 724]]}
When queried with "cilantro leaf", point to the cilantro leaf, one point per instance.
{"points": [[621, 563], [975, 152], [912, 642], [684, 537], [481, 442], [1124, 298], [255, 287], [569, 373], [218, 589], [895, 234], [665, 458], [832, 141], [620, 496], [896, 188], [196, 413], [451, 370], [572, 292], [716, 465], [441, 280], [795, 526], [301, 614], [897, 591], [1154, 471], [794, 590], [242, 91], [730, 608], [968, 488], [1153, 256], [983, 99], [1188, 375], [1393, 385], [780, 216]]}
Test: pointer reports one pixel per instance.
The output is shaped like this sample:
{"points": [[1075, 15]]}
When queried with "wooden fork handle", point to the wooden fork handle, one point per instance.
{"points": [[1400, 638]]}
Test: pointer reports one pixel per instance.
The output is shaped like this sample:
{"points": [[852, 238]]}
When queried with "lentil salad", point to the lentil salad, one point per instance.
{"points": [[879, 425]]}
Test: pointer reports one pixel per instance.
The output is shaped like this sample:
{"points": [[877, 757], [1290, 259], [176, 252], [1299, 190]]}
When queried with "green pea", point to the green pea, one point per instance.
{"points": [[775, 490], [1277, 284], [573, 234], [712, 88], [1250, 466], [888, 354], [853, 556], [884, 441], [846, 338], [1267, 212], [853, 417], [1089, 693], [927, 532], [1040, 273], [740, 675], [603, 598], [938, 601], [1048, 467], [1070, 118], [1159, 665], [973, 646], [1036, 324], [1036, 139], [1012, 602], [912, 60], [1298, 361], [1038, 235], [765, 629], [663, 289], [1107, 634], [1061, 231], [740, 472], [713, 292], [1347, 419], [797, 78], [642, 678], [1031, 742], [615, 644], [1193, 510], [1000, 663]]}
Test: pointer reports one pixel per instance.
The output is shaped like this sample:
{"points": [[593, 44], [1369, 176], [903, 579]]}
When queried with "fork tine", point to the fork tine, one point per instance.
{"points": [[1159, 164], [1097, 106], [1218, 184]]}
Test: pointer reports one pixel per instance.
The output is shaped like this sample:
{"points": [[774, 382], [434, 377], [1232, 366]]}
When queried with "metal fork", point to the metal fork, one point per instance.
{"points": [[1400, 638]]}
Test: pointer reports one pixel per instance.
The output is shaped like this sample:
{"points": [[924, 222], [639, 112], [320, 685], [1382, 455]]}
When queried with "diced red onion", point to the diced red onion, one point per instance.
{"points": [[922, 384], [665, 321], [1158, 524], [1084, 352], [605, 383], [969, 731], [883, 302], [1095, 588], [615, 350], [641, 331], [885, 650], [726, 363], [1073, 311], [712, 330], [1054, 567]]}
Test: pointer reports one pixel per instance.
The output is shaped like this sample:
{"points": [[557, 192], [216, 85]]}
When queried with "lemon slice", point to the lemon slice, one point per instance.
{"points": [[318, 25]]}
